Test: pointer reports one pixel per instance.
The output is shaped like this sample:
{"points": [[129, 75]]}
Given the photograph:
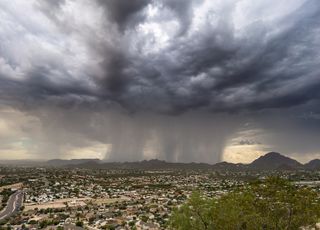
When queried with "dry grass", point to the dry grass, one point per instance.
{"points": [[101, 201], [12, 186], [61, 203], [70, 202]]}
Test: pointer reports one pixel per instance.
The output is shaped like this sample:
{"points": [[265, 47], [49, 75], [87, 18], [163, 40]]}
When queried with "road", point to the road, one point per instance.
{"points": [[13, 205]]}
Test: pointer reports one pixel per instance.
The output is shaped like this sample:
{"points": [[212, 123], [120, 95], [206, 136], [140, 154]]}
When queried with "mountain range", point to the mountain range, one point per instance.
{"points": [[270, 161]]}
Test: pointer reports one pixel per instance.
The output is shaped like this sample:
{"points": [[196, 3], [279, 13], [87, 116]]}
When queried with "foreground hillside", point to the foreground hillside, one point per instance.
{"points": [[273, 204]]}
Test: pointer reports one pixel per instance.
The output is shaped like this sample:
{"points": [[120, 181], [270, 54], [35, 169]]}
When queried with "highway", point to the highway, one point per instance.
{"points": [[13, 205]]}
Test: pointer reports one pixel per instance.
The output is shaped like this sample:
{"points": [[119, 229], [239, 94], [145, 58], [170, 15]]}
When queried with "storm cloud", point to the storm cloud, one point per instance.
{"points": [[168, 79]]}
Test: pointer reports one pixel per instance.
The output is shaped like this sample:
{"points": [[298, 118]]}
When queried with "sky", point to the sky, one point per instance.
{"points": [[181, 81]]}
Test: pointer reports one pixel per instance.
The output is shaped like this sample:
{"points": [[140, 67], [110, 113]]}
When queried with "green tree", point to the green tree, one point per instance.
{"points": [[271, 204], [79, 224]]}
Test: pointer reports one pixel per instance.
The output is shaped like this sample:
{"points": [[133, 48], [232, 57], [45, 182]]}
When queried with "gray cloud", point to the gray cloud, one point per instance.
{"points": [[205, 69], [248, 142], [124, 13], [85, 59]]}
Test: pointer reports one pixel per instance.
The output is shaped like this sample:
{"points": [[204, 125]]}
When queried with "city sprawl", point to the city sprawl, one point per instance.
{"points": [[60, 198]]}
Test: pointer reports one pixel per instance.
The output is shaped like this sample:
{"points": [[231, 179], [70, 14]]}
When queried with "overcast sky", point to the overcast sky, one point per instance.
{"points": [[177, 80]]}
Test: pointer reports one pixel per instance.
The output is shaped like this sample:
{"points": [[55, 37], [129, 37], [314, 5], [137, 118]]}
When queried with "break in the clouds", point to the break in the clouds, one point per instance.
{"points": [[170, 79]]}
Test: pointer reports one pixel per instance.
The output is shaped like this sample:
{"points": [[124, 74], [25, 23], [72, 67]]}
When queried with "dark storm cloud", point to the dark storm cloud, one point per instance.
{"points": [[211, 69], [172, 57], [124, 13], [212, 66]]}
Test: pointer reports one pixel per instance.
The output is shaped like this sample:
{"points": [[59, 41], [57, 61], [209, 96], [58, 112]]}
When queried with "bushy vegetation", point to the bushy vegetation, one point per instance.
{"points": [[271, 204], [6, 193]]}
